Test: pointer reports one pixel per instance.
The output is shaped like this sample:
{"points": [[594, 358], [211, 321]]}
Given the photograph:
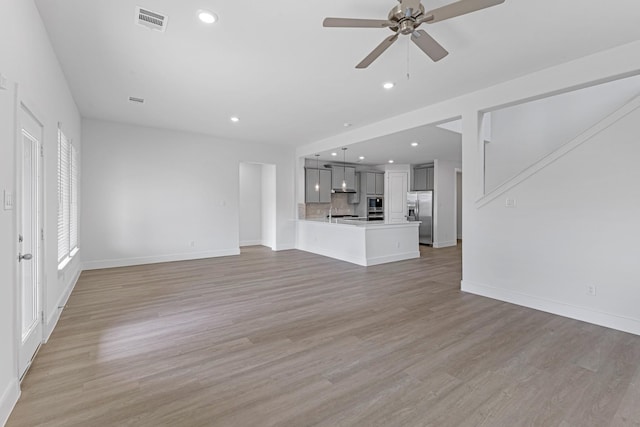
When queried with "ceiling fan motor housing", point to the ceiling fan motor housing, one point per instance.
{"points": [[402, 23]]}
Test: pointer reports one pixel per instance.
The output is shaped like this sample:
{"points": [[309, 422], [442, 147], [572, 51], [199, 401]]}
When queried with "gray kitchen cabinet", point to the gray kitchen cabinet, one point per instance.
{"points": [[346, 173], [423, 178], [380, 184], [375, 183], [323, 195], [354, 198]]}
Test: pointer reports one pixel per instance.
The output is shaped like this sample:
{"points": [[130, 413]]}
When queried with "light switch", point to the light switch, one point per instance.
{"points": [[510, 203], [8, 200], [3, 82]]}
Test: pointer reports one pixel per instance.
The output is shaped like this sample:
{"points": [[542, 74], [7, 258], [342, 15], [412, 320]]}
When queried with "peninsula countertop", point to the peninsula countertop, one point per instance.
{"points": [[362, 223]]}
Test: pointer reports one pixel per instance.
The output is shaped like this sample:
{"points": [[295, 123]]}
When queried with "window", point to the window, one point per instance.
{"points": [[68, 168]]}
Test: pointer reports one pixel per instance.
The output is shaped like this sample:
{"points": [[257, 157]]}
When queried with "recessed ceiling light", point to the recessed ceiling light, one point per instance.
{"points": [[207, 17], [347, 125], [361, 157], [390, 161], [414, 144], [388, 85], [334, 154], [234, 119]]}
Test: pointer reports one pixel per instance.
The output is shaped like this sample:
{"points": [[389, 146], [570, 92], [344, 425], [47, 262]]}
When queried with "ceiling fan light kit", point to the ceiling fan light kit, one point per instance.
{"points": [[405, 18]]}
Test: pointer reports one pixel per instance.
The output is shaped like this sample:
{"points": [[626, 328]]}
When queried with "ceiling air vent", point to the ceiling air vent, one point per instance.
{"points": [[138, 100], [152, 20]]}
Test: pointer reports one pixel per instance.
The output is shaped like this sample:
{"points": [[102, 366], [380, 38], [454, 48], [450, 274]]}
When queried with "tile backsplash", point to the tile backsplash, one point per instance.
{"points": [[338, 203]]}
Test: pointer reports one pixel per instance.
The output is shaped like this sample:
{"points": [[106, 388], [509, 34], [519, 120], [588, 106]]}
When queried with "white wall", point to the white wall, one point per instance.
{"points": [[148, 193], [575, 225], [563, 297], [522, 134], [250, 204], [444, 203], [26, 58]]}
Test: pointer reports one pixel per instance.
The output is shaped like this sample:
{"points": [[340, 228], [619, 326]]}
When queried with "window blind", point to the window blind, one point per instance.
{"points": [[73, 203], [68, 186], [63, 196]]}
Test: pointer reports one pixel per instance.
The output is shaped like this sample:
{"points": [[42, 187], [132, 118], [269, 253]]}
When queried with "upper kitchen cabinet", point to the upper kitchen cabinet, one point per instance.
{"points": [[423, 178], [354, 198], [375, 183], [343, 173], [322, 177]]}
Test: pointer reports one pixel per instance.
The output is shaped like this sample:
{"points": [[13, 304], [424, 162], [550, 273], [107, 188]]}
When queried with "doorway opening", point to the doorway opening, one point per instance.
{"points": [[257, 222], [458, 206]]}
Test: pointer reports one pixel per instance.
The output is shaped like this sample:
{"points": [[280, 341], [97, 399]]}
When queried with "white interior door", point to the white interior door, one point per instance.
{"points": [[29, 239], [397, 196]]}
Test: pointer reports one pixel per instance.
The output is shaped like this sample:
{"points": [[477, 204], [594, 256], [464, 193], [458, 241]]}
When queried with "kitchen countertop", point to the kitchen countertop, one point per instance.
{"points": [[360, 223]]}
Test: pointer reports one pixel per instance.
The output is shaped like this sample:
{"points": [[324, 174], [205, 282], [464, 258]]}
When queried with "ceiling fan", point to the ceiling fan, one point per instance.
{"points": [[405, 18]]}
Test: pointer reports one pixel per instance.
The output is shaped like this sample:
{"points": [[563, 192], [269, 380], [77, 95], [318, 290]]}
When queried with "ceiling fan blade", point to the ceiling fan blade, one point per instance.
{"points": [[458, 8], [428, 45], [355, 23], [377, 51]]}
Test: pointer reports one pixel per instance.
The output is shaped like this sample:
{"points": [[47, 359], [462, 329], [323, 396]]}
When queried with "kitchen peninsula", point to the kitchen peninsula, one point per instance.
{"points": [[360, 242]]}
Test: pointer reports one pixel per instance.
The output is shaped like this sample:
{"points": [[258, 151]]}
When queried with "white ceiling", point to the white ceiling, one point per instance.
{"points": [[433, 143], [290, 80]]}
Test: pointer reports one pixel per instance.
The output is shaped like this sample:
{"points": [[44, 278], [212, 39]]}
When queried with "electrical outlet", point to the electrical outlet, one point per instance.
{"points": [[510, 203], [591, 290], [192, 244]]}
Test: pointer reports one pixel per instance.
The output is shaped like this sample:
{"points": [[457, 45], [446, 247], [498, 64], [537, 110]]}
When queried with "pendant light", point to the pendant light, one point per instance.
{"points": [[318, 172], [344, 168]]}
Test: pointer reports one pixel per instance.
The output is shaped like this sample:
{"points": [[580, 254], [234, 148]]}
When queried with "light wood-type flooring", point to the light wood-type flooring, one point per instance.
{"points": [[295, 339]]}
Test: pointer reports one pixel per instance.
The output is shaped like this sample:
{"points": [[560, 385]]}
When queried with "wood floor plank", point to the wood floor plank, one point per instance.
{"points": [[295, 339]]}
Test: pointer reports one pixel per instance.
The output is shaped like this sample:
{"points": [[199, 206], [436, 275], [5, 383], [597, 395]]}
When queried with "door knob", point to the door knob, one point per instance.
{"points": [[26, 257]]}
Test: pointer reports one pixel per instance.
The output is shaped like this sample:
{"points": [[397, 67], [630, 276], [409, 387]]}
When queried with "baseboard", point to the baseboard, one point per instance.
{"points": [[284, 247], [250, 243], [392, 258], [126, 262], [52, 320], [625, 324], [446, 244], [8, 400]]}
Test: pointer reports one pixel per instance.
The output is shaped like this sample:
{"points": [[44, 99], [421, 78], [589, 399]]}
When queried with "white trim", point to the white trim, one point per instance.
{"points": [[251, 243], [8, 400], [284, 247], [125, 262], [571, 311], [65, 261], [446, 244], [392, 258], [353, 259], [560, 152], [52, 320], [24, 104]]}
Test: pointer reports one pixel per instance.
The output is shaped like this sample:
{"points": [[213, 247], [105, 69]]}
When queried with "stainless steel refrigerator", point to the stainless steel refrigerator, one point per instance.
{"points": [[420, 208]]}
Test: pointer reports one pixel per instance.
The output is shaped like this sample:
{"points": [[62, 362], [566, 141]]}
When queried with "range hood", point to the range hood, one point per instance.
{"points": [[343, 190], [339, 189]]}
